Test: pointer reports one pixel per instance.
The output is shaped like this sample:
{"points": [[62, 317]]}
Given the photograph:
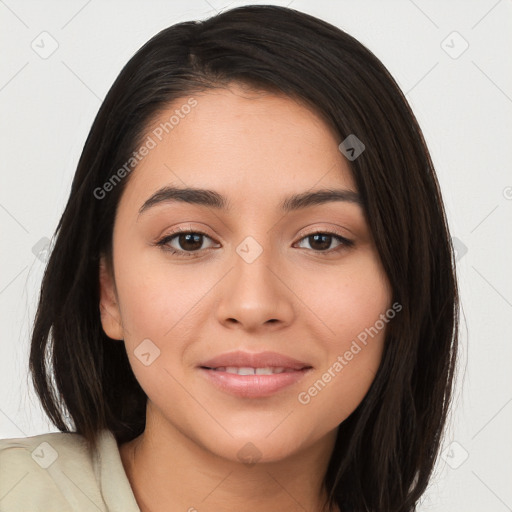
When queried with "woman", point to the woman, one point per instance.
{"points": [[251, 300]]}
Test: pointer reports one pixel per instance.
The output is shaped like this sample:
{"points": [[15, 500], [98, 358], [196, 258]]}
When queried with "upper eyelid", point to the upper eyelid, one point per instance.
{"points": [[179, 231]]}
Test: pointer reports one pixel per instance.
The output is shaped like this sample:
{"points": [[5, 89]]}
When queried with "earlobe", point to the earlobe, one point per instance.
{"points": [[109, 307]]}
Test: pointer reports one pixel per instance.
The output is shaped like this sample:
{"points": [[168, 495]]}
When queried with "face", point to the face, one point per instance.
{"points": [[249, 315]]}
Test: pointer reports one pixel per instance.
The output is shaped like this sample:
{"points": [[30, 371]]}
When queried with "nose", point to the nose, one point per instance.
{"points": [[255, 295]]}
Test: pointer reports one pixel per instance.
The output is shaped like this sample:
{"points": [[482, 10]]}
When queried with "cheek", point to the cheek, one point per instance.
{"points": [[152, 309], [356, 311], [159, 304], [351, 363], [349, 300], [155, 297], [338, 390]]}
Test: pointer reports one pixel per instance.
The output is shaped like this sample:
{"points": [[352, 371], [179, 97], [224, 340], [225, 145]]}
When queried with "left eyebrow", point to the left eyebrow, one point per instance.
{"points": [[212, 199]]}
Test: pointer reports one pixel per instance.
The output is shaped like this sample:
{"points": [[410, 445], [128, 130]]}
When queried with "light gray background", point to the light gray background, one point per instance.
{"points": [[463, 102]]}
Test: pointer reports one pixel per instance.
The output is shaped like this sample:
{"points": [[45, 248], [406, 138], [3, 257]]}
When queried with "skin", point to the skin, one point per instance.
{"points": [[255, 148]]}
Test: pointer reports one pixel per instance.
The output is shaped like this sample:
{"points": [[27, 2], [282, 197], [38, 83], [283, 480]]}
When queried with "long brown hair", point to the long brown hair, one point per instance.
{"points": [[387, 448]]}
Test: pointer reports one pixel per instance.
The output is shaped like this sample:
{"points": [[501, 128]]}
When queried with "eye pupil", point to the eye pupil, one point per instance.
{"points": [[188, 238], [324, 245]]}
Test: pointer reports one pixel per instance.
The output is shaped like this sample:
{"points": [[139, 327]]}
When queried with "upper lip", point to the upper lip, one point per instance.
{"points": [[241, 359]]}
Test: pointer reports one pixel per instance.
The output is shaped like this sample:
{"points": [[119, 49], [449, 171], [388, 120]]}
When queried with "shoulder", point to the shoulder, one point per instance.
{"points": [[57, 471], [42, 449]]}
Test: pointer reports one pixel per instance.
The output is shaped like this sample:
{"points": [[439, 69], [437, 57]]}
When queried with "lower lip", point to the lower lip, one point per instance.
{"points": [[253, 386]]}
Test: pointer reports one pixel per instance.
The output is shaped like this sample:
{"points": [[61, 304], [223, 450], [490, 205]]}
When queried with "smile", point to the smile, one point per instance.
{"points": [[252, 371], [253, 375]]}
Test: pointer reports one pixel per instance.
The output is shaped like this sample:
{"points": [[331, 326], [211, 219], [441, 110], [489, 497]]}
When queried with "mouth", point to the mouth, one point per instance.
{"points": [[247, 370], [251, 375]]}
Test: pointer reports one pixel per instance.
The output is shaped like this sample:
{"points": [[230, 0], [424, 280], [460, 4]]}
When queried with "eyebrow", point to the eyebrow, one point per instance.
{"points": [[212, 199]]}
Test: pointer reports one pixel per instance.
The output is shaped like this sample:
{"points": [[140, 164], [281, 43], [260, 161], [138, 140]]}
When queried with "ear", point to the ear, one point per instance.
{"points": [[109, 307]]}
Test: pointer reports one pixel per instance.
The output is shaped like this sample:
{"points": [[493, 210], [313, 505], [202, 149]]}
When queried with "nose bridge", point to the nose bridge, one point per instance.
{"points": [[252, 276], [253, 293]]}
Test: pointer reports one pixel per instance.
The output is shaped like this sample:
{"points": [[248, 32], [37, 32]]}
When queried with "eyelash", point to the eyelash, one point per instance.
{"points": [[162, 243]]}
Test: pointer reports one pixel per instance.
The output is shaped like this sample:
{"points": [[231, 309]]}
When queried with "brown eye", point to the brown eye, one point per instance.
{"points": [[185, 243], [190, 241], [321, 242]]}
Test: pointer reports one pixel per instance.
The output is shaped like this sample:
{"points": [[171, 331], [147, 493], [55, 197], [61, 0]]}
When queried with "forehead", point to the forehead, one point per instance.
{"points": [[251, 146]]}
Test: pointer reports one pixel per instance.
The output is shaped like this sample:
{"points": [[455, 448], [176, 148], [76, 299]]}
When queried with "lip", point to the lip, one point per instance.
{"points": [[253, 386], [255, 360]]}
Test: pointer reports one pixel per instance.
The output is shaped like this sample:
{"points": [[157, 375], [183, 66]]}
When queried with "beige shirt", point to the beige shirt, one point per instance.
{"points": [[56, 473]]}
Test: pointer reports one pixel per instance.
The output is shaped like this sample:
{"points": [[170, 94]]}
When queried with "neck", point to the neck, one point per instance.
{"points": [[169, 471]]}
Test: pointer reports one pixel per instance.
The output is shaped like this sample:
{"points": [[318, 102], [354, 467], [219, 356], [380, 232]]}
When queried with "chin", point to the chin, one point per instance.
{"points": [[250, 450]]}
